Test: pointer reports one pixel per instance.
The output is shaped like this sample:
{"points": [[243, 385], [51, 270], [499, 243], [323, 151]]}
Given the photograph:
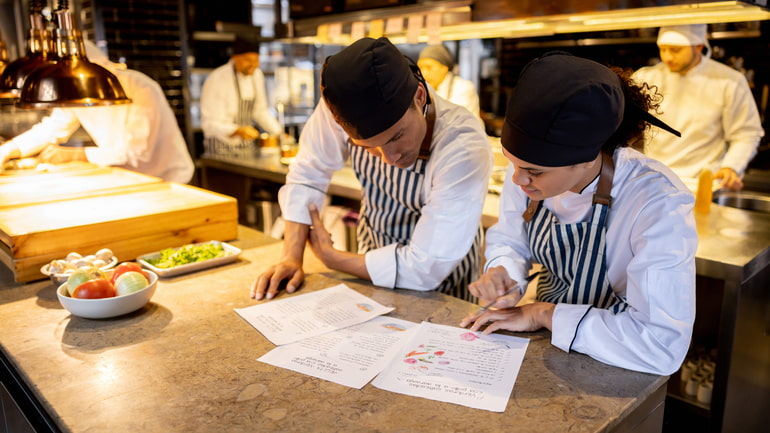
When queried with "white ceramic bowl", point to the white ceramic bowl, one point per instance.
{"points": [[62, 278], [108, 307]]}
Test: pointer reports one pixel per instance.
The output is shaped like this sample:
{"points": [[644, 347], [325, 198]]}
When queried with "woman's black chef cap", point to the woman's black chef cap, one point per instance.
{"points": [[563, 109]]}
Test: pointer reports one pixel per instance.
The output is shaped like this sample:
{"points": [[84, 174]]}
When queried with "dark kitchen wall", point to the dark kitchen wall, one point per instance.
{"points": [[149, 36]]}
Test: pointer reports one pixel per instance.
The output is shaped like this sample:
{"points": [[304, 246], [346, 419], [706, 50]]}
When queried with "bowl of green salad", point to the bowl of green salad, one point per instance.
{"points": [[188, 258]]}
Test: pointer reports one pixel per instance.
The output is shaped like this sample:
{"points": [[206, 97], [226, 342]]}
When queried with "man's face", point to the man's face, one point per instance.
{"points": [[680, 59], [400, 144], [246, 63]]}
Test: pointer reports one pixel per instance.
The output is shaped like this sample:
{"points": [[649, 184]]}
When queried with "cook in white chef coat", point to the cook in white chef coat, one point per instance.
{"points": [[143, 136], [709, 102], [612, 229], [424, 165], [234, 101], [437, 66]]}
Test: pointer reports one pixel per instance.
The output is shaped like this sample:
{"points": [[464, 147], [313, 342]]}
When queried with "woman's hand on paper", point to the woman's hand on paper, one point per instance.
{"points": [[526, 318], [492, 285]]}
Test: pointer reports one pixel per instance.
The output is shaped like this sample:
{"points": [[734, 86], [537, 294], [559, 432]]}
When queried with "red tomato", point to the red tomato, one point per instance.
{"points": [[94, 289], [123, 268]]}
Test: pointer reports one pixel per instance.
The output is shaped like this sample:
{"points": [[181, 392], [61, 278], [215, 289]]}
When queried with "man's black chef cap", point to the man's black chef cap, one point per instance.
{"points": [[368, 86]]}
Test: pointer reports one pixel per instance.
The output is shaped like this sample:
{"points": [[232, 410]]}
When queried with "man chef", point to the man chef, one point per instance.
{"points": [[709, 102], [424, 165], [234, 100]]}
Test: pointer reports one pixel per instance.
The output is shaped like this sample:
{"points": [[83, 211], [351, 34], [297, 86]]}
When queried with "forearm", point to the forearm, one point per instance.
{"points": [[294, 238], [345, 261]]}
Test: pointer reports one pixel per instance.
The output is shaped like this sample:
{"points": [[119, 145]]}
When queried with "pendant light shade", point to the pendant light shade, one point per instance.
{"points": [[70, 79], [39, 47]]}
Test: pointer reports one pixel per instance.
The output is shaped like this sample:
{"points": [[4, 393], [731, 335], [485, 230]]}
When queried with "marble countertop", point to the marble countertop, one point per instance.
{"points": [[187, 362]]}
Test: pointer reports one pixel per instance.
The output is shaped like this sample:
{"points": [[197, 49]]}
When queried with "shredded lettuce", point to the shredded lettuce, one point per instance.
{"points": [[171, 257]]}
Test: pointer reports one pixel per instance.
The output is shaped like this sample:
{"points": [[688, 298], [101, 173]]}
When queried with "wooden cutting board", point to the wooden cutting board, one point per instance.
{"points": [[47, 187], [130, 221]]}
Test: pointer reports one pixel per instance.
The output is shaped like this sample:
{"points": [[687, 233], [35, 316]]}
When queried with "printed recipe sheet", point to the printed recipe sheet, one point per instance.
{"points": [[456, 365], [306, 315], [351, 356]]}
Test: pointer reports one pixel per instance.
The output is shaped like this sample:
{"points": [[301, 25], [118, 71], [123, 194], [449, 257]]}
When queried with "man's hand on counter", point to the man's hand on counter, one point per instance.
{"points": [[288, 268], [55, 154]]}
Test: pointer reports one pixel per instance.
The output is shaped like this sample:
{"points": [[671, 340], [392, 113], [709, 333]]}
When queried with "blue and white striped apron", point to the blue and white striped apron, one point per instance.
{"points": [[390, 208], [573, 255]]}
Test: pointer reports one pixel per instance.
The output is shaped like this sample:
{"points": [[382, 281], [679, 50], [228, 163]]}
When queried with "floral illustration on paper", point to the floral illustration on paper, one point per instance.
{"points": [[426, 354]]}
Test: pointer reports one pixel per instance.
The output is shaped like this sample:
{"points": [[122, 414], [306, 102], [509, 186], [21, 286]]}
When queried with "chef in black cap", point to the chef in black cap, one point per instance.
{"points": [[424, 165], [234, 102], [611, 229]]}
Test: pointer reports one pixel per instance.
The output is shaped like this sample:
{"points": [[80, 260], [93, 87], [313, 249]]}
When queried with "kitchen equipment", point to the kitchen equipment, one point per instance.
{"points": [[743, 200]]}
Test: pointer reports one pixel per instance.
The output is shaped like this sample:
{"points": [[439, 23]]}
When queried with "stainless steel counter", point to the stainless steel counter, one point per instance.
{"points": [[733, 268]]}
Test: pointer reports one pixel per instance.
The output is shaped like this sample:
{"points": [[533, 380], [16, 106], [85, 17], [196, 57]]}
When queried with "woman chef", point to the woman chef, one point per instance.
{"points": [[612, 229]]}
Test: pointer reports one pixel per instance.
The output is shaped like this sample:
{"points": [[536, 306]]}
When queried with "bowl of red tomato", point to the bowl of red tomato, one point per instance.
{"points": [[97, 294]]}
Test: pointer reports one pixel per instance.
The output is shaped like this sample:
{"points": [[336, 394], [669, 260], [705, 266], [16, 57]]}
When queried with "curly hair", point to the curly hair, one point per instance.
{"points": [[638, 96]]}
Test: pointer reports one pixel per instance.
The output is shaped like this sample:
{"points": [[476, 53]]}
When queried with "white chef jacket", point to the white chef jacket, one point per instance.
{"points": [[460, 91], [456, 182], [650, 248], [143, 136], [712, 106], [219, 103]]}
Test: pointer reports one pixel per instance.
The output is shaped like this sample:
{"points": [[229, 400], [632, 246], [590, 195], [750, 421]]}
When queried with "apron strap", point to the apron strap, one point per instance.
{"points": [[529, 213], [430, 117], [603, 189]]}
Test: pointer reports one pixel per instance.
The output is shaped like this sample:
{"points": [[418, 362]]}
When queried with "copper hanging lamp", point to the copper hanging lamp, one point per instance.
{"points": [[39, 48], [70, 79]]}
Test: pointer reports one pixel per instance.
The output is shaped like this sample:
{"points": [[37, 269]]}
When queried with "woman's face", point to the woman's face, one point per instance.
{"points": [[433, 71], [540, 182], [400, 144]]}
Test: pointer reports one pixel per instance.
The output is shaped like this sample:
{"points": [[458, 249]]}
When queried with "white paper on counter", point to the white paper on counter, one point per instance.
{"points": [[456, 365], [302, 316], [351, 356]]}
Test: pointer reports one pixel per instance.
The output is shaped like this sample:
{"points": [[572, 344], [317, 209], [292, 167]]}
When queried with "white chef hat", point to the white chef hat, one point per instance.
{"points": [[685, 35]]}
